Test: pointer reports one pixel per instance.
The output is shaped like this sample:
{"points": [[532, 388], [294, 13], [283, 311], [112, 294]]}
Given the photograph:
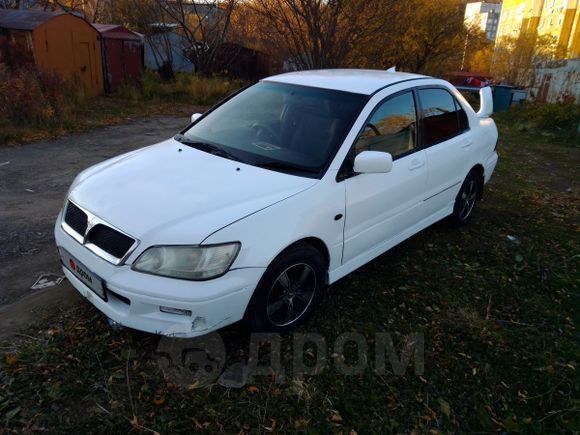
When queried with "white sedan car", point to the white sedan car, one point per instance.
{"points": [[276, 192]]}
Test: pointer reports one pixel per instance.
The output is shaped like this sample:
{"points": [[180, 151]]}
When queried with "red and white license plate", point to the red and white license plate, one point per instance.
{"points": [[83, 273]]}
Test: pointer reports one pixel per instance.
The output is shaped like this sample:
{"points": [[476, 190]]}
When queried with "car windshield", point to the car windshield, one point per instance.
{"points": [[287, 128]]}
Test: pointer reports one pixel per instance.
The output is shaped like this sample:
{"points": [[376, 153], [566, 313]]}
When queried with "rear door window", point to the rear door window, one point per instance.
{"points": [[443, 116]]}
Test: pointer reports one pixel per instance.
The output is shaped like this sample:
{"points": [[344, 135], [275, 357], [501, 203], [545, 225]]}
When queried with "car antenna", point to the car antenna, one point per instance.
{"points": [[392, 69]]}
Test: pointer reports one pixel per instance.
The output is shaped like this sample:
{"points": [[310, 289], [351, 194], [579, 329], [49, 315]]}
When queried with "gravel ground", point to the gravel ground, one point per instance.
{"points": [[34, 179]]}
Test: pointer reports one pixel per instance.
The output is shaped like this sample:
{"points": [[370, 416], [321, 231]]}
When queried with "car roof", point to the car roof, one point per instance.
{"points": [[359, 81]]}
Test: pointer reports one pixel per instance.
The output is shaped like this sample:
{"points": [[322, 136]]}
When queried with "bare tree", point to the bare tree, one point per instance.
{"points": [[319, 33], [92, 10], [516, 58], [205, 25], [161, 41], [10, 4]]}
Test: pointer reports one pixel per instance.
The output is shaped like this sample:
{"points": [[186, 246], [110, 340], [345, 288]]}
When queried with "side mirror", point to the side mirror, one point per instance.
{"points": [[195, 117], [486, 103], [373, 162]]}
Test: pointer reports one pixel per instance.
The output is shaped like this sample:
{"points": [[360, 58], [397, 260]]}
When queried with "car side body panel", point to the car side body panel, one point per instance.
{"points": [[313, 210]]}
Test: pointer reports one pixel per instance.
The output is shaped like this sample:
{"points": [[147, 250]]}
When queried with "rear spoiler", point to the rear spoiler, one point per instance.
{"points": [[486, 103]]}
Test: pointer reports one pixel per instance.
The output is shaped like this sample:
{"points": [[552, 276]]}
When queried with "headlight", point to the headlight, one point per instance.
{"points": [[188, 262]]}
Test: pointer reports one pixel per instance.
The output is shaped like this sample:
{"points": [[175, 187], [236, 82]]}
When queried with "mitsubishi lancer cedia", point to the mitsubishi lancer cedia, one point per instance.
{"points": [[272, 195]]}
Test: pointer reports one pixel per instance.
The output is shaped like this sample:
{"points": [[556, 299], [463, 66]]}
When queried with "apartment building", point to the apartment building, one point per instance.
{"points": [[485, 15], [557, 18]]}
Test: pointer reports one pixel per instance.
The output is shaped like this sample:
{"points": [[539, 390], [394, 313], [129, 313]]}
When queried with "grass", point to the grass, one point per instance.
{"points": [[98, 112], [498, 303], [186, 88], [148, 97], [559, 120]]}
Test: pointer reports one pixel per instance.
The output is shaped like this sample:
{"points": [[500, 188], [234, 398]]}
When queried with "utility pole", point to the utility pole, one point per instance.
{"points": [[464, 51]]}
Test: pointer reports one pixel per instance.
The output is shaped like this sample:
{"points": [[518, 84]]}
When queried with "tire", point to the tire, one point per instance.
{"points": [[288, 292], [466, 200]]}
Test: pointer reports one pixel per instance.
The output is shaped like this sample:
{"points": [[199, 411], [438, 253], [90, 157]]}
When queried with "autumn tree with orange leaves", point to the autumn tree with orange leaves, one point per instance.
{"points": [[424, 36]]}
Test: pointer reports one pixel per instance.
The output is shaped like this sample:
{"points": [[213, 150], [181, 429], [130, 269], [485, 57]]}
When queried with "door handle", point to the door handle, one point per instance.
{"points": [[466, 143], [416, 164]]}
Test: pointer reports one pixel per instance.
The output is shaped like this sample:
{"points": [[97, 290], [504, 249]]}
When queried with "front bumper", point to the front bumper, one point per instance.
{"points": [[134, 299]]}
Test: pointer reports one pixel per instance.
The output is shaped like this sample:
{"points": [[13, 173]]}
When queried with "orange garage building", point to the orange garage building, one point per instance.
{"points": [[61, 43]]}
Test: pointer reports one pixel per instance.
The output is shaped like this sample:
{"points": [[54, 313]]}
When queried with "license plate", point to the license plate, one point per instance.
{"points": [[83, 273]]}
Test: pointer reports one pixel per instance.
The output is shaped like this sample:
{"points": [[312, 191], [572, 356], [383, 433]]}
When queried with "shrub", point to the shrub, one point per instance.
{"points": [[34, 104], [32, 98], [556, 116], [29, 98], [560, 118], [15, 54]]}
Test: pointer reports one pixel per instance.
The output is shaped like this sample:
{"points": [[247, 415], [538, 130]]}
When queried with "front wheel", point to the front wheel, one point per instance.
{"points": [[465, 200], [289, 291]]}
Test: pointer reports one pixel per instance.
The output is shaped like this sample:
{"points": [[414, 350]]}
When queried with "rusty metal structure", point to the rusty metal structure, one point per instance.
{"points": [[558, 81], [122, 52]]}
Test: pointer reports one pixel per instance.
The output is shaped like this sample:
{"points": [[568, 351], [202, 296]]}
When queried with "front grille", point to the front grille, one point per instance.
{"points": [[91, 231], [110, 240], [76, 218]]}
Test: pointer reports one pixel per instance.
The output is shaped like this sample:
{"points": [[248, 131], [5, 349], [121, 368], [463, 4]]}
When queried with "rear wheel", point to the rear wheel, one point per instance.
{"points": [[466, 200], [288, 292]]}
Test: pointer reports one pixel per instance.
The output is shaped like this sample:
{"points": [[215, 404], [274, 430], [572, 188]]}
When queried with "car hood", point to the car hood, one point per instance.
{"points": [[170, 193]]}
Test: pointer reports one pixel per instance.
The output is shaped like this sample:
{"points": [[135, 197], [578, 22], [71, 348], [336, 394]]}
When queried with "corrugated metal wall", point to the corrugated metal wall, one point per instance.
{"points": [[124, 59], [122, 54], [70, 46]]}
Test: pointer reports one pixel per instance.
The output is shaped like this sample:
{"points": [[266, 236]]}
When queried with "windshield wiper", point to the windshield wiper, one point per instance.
{"points": [[207, 147], [284, 166]]}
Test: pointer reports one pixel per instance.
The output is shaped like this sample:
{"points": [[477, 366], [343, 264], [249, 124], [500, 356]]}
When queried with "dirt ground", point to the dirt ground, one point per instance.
{"points": [[34, 180]]}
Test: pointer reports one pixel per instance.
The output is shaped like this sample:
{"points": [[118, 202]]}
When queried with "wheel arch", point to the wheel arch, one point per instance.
{"points": [[311, 242], [314, 242], [479, 171]]}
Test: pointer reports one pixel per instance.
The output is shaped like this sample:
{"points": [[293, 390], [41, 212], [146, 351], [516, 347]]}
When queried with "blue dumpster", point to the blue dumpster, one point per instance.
{"points": [[502, 97]]}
